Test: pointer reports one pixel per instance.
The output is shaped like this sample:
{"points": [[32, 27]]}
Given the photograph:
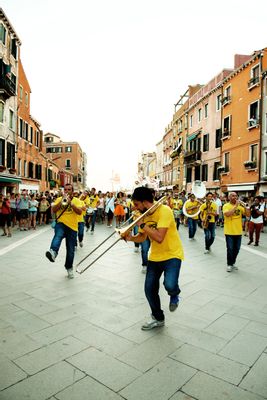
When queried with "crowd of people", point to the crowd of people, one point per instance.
{"points": [[71, 212]]}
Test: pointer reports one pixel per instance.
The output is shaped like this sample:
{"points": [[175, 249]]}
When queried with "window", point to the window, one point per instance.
{"points": [[218, 102], [11, 120], [206, 142], [215, 171], [67, 164], [68, 149], [10, 159], [227, 95], [19, 166], [13, 48], [191, 121], [204, 172], [37, 137], [266, 124], [254, 153], [25, 168], [26, 99], [227, 126], [2, 108], [2, 34], [197, 173], [26, 131], [226, 162], [20, 93], [188, 174], [31, 134], [206, 109], [199, 113], [2, 152], [218, 136], [265, 163], [38, 171], [253, 114], [254, 76]]}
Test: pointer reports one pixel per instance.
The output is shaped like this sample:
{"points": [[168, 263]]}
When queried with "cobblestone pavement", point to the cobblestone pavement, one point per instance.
{"points": [[81, 339]]}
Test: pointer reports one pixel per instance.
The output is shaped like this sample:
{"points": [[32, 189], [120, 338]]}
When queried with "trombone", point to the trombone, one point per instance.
{"points": [[120, 232]]}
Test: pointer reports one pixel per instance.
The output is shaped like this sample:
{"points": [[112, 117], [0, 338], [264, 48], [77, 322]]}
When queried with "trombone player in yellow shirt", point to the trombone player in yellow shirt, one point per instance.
{"points": [[208, 212]]}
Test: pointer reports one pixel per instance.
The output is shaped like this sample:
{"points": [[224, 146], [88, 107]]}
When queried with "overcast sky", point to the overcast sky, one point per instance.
{"points": [[106, 73]]}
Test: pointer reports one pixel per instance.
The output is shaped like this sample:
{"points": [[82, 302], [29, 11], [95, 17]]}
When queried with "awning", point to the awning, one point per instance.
{"points": [[9, 179], [29, 187], [193, 136], [239, 188]]}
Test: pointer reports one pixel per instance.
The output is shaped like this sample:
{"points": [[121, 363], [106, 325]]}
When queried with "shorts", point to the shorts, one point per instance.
{"points": [[6, 220], [24, 214]]}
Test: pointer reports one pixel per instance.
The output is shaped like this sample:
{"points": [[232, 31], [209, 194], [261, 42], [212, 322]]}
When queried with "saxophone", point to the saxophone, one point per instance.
{"points": [[205, 222]]}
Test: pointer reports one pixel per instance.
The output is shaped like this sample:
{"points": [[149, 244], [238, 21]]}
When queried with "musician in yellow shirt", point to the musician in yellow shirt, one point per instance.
{"points": [[233, 212], [67, 210], [165, 255], [176, 205], [208, 212], [192, 206]]}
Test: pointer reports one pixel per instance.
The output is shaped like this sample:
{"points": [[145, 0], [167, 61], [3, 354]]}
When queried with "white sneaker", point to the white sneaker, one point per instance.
{"points": [[235, 267], [207, 252], [81, 244], [70, 273], [51, 255], [136, 249], [229, 268], [152, 324], [144, 269]]}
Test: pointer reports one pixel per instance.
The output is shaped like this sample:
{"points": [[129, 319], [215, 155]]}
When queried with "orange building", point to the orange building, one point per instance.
{"points": [[241, 125]]}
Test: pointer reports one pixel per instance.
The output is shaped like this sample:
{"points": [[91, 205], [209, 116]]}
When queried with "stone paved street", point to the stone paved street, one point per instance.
{"points": [[81, 339]]}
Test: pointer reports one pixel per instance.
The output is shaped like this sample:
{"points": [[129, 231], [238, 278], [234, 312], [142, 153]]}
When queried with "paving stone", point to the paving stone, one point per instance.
{"points": [[181, 396], [104, 368], [255, 381], [206, 387], [212, 364], [105, 341], [159, 383], [195, 337], [10, 373], [135, 334], [35, 306], [15, 344], [60, 331], [253, 315], [88, 388], [44, 384], [257, 328], [50, 354], [26, 322], [149, 353], [66, 313], [245, 348], [227, 326]]}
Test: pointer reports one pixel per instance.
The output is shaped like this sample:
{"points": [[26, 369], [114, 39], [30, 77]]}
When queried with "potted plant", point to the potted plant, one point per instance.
{"points": [[12, 170], [250, 164], [221, 169], [2, 168]]}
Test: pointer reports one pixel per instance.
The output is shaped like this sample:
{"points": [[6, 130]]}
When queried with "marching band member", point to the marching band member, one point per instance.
{"points": [[233, 212], [176, 205], [191, 207], [208, 213], [165, 257]]}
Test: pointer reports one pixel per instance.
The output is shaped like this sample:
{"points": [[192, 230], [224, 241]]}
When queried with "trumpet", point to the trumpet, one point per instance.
{"points": [[65, 201], [122, 232], [243, 204]]}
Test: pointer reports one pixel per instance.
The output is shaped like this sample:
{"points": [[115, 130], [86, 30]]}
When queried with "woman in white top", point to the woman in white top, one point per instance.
{"points": [[109, 208], [256, 220]]}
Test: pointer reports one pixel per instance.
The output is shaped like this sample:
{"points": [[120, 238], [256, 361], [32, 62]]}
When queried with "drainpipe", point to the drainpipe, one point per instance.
{"points": [[260, 120]]}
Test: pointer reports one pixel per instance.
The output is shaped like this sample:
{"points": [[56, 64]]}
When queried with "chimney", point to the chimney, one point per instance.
{"points": [[241, 59]]}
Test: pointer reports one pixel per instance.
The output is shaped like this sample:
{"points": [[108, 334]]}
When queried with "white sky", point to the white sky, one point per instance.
{"points": [[106, 73]]}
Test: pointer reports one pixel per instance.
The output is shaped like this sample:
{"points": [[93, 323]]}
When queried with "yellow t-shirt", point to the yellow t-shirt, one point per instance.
{"points": [[176, 204], [69, 217], [189, 204], [171, 247], [233, 224], [93, 201], [213, 209], [81, 216]]}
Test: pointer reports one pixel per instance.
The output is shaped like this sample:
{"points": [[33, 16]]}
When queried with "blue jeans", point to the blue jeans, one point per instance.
{"points": [[233, 243], [145, 245], [192, 227], [63, 231], [80, 231], [209, 235], [93, 220], [171, 270]]}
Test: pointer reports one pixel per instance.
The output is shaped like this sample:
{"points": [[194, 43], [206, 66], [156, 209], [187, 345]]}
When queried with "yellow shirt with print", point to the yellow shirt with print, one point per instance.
{"points": [[212, 208], [69, 217], [189, 204], [233, 224], [81, 216], [171, 246], [93, 201]]}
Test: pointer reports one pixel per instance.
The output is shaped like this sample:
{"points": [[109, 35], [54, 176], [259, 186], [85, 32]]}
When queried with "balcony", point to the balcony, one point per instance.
{"points": [[7, 87], [226, 100], [255, 81], [253, 123], [192, 157], [250, 164], [226, 133]]}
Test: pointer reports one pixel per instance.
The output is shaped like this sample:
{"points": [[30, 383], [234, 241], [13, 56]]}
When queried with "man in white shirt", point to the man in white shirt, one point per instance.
{"points": [[256, 220], [218, 203]]}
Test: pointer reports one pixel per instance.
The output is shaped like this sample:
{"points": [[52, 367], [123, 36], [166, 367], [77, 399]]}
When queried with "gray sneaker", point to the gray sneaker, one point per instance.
{"points": [[70, 273], [229, 268], [51, 255], [154, 323], [81, 244]]}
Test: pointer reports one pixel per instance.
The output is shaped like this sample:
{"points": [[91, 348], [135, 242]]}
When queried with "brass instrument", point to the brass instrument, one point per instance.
{"points": [[65, 201], [205, 222], [199, 190], [121, 232]]}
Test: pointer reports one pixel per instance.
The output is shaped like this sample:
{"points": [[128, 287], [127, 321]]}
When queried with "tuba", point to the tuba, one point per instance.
{"points": [[199, 190]]}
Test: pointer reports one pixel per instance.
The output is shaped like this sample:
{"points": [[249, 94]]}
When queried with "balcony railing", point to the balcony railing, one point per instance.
{"points": [[253, 122], [192, 156], [226, 133], [253, 81], [250, 164], [7, 87], [226, 100]]}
